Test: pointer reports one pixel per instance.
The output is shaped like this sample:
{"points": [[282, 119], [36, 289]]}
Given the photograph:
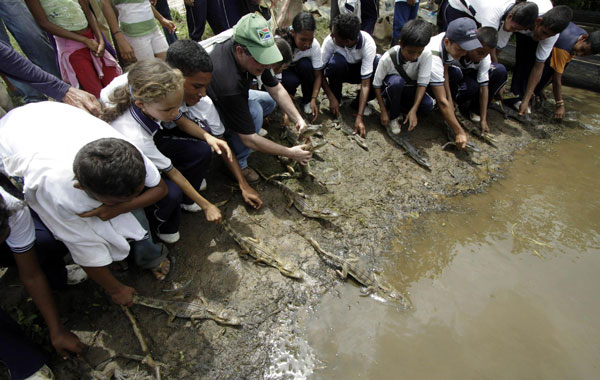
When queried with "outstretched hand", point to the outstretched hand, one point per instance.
{"points": [[219, 146], [104, 212], [212, 213], [82, 99], [65, 341]]}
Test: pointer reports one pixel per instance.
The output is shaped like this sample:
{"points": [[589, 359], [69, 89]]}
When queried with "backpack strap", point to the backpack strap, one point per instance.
{"points": [[394, 56]]}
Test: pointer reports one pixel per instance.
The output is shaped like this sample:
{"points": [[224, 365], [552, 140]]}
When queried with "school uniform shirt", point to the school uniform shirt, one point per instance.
{"points": [[439, 58], [314, 53], [39, 142], [487, 13], [562, 53], [544, 48], [204, 113], [482, 68], [420, 70], [140, 130], [229, 88], [363, 52], [22, 230]]}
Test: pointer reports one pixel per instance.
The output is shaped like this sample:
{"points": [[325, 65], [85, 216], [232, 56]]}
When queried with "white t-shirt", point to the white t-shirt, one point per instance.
{"points": [[204, 113], [482, 67], [544, 48], [127, 125], [364, 51], [314, 53], [419, 70], [488, 13], [439, 58], [22, 230], [46, 164]]}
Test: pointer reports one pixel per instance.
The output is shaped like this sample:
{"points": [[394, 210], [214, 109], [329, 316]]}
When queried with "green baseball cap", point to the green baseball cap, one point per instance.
{"points": [[253, 32]]}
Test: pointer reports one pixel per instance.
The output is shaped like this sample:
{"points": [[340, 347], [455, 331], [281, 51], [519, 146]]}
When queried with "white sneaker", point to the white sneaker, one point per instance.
{"points": [[191, 208], [263, 132], [368, 110], [44, 373], [474, 117], [203, 185], [395, 126], [169, 238], [517, 106], [75, 274], [307, 109]]}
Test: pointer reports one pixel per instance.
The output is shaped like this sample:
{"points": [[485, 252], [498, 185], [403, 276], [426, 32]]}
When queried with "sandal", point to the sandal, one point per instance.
{"points": [[160, 272]]}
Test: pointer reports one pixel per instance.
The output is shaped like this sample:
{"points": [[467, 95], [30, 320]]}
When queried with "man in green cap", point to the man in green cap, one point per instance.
{"points": [[249, 53]]}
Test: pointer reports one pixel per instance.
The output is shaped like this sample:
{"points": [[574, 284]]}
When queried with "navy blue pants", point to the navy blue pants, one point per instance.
{"points": [[401, 97], [465, 88], [369, 12], [163, 8], [17, 352], [524, 61], [220, 14], [301, 73], [50, 253], [191, 157], [547, 76], [402, 14], [338, 71]]}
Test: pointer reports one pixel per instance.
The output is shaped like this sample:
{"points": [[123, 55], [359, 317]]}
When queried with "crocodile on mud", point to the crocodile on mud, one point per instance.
{"points": [[338, 123], [365, 277], [254, 249], [196, 310], [472, 129], [509, 112], [298, 200], [296, 139], [409, 148], [451, 136]]}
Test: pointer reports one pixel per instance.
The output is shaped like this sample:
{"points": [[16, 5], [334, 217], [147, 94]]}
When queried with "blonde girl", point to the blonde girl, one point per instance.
{"points": [[153, 94]]}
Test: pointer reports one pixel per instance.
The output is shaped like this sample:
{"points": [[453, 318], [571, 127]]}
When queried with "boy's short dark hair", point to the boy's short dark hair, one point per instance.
{"points": [[110, 167], [189, 57], [488, 36], [285, 49], [594, 41], [557, 18], [346, 26], [525, 14], [416, 33]]}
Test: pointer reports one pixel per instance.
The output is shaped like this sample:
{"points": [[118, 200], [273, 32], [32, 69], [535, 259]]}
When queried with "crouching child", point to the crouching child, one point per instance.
{"points": [[402, 76]]}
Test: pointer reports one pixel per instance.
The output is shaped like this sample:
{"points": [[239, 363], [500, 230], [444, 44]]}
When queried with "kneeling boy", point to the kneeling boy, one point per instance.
{"points": [[460, 38], [83, 180], [572, 42], [402, 76], [475, 79]]}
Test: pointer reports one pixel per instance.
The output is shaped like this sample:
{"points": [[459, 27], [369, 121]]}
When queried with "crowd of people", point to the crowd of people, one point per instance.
{"points": [[104, 172]]}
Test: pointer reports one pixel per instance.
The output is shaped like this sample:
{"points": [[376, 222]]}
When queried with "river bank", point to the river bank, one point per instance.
{"points": [[377, 193]]}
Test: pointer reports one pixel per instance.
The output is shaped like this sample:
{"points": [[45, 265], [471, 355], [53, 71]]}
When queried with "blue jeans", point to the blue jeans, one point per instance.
{"points": [[32, 40], [261, 104], [402, 14]]}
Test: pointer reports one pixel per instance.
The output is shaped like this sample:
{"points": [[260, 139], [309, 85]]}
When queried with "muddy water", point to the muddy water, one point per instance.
{"points": [[504, 286]]}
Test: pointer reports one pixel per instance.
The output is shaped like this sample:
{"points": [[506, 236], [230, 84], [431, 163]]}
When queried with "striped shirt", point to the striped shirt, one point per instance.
{"points": [[135, 17]]}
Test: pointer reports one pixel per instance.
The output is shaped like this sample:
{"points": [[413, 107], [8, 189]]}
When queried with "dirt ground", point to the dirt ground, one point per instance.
{"points": [[375, 192]]}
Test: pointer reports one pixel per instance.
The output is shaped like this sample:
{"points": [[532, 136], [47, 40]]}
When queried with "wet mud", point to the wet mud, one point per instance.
{"points": [[375, 193]]}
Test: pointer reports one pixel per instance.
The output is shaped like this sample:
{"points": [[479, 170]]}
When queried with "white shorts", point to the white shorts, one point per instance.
{"points": [[146, 47]]}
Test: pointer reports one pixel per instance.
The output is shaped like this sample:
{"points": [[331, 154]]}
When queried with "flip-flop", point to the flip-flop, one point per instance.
{"points": [[159, 271]]}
